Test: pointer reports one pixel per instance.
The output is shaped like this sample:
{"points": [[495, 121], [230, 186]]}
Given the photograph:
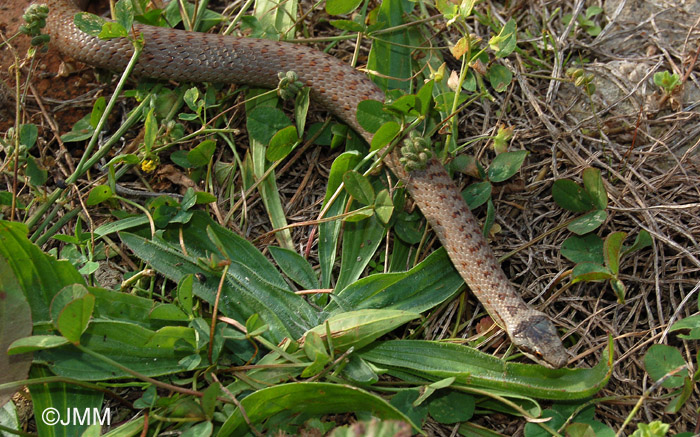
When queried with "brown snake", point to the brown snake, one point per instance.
{"points": [[199, 57]]}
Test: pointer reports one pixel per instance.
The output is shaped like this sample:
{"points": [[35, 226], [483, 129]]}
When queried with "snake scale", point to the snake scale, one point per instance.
{"points": [[199, 57]]}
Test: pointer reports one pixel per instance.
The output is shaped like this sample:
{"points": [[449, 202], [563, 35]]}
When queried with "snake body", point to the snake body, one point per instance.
{"points": [[199, 57]]}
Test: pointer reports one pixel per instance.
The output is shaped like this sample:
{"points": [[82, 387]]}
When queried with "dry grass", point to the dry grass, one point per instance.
{"points": [[647, 146], [648, 149]]}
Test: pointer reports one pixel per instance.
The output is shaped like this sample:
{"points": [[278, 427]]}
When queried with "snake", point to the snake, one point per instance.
{"points": [[180, 55]]}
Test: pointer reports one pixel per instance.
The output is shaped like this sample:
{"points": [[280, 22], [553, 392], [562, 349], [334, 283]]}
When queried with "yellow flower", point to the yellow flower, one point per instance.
{"points": [[148, 165]]}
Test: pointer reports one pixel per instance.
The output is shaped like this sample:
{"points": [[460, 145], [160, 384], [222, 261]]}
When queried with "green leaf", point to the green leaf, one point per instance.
{"points": [[64, 297], [209, 401], [296, 267], [152, 353], [255, 326], [653, 429], [341, 7], [127, 158], [404, 105], [490, 217], [314, 399], [148, 398], [359, 215], [168, 311], [447, 8], [82, 130], [264, 122], [282, 143], [202, 153], [588, 222], [28, 133], [466, 7], [371, 115], [345, 162], [202, 429], [191, 97], [124, 13], [384, 135], [37, 175], [477, 194], [63, 398], [99, 194], [15, 325], [443, 101], [426, 285], [592, 11], [179, 157], [314, 345], [505, 165], [452, 407], [571, 196], [359, 187], [643, 240], [425, 95], [392, 55], [437, 360], [588, 248], [75, 316], [6, 199], [188, 200], [112, 29], [500, 77], [360, 328], [120, 225], [611, 250], [405, 399], [184, 294], [349, 25], [594, 30], [254, 281], [35, 343], [384, 206], [301, 110], [660, 360], [358, 371], [89, 23], [692, 323], [408, 228], [329, 232], [150, 128], [580, 430], [593, 184], [619, 288], [89, 268], [360, 242], [587, 271], [679, 401], [504, 43], [41, 276], [667, 81]]}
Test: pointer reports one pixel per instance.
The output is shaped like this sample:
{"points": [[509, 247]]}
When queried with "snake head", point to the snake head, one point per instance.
{"points": [[538, 340]]}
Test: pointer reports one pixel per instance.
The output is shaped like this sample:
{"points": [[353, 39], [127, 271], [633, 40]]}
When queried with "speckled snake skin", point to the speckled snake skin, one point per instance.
{"points": [[199, 57]]}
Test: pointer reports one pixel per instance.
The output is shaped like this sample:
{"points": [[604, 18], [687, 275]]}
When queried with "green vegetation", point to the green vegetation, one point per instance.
{"points": [[204, 335]]}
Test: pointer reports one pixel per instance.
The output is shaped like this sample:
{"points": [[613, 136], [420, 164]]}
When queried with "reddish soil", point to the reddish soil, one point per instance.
{"points": [[56, 81]]}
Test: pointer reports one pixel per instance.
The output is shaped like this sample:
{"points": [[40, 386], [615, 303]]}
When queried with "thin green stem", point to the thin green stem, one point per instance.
{"points": [[86, 161]]}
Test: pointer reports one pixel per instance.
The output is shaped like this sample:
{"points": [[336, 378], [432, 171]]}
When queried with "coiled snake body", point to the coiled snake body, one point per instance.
{"points": [[198, 57]]}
